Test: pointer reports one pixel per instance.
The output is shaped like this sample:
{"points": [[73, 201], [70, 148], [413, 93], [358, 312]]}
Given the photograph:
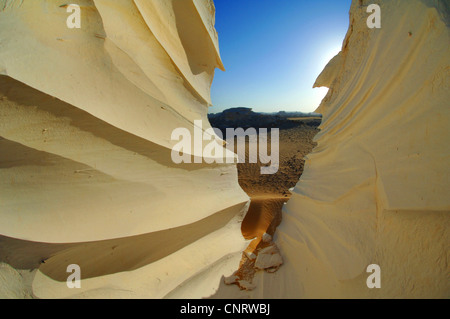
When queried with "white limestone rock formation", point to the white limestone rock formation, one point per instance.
{"points": [[86, 175], [268, 258], [376, 188]]}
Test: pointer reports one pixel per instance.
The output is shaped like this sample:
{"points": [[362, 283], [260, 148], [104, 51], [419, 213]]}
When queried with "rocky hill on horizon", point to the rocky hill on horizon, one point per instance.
{"points": [[244, 117]]}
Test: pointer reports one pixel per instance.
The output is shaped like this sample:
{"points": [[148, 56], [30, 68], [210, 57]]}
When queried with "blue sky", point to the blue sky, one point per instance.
{"points": [[273, 51]]}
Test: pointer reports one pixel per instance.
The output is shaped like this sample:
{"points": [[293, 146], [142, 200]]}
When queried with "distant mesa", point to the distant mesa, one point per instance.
{"points": [[245, 117]]}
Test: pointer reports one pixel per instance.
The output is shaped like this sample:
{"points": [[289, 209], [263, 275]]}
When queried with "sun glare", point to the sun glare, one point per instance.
{"points": [[328, 55]]}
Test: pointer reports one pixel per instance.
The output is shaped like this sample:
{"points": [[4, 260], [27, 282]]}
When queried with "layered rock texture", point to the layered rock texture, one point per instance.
{"points": [[86, 175], [376, 188]]}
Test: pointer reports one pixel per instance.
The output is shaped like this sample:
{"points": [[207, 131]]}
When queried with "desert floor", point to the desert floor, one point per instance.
{"points": [[269, 192]]}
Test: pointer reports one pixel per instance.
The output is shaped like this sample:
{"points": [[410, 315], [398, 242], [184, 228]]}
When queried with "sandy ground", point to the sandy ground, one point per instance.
{"points": [[270, 192], [295, 144]]}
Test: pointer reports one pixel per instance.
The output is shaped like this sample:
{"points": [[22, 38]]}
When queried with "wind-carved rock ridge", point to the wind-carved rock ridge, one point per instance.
{"points": [[86, 175], [375, 189]]}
